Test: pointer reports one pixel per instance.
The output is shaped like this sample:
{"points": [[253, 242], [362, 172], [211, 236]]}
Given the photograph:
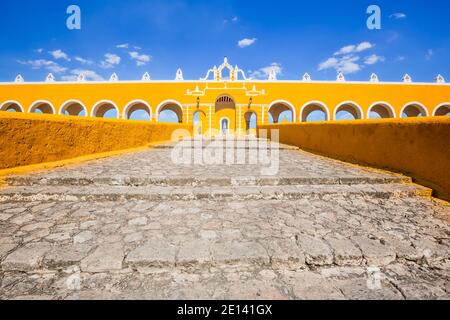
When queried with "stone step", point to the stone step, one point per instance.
{"points": [[159, 255], [222, 143], [199, 181], [240, 193]]}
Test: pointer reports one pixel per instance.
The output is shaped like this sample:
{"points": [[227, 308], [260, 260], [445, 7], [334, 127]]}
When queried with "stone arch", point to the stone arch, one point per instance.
{"points": [[414, 109], [73, 108], [383, 109], [199, 124], [350, 107], [278, 107], [137, 105], [442, 110], [11, 105], [102, 107], [170, 105], [248, 117], [223, 102], [43, 106], [311, 107]]}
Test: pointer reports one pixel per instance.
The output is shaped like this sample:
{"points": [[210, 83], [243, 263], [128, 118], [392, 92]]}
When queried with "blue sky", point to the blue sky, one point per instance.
{"points": [[294, 37]]}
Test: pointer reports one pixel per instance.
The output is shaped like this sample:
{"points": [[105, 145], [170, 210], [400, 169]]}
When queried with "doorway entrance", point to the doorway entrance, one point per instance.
{"points": [[225, 115]]}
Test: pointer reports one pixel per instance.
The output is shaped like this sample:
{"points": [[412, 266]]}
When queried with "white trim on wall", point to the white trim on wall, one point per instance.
{"points": [[384, 104], [440, 106], [417, 104], [36, 103], [133, 103], [102, 102], [8, 102], [318, 103], [288, 104], [66, 103], [351, 103], [162, 104]]}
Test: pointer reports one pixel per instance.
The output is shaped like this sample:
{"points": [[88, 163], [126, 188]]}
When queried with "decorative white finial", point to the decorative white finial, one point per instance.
{"points": [[407, 78], [81, 77], [272, 75], [340, 77], [50, 78], [439, 79], [179, 75], [374, 78], [114, 77], [306, 77], [225, 60], [19, 79], [146, 77]]}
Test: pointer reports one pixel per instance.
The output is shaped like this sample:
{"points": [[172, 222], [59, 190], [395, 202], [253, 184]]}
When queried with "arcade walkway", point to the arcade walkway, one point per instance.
{"points": [[139, 226]]}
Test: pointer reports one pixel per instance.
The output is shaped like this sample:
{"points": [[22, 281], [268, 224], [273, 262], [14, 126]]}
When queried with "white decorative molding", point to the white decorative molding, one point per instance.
{"points": [[19, 79], [272, 75], [179, 75], [306, 77], [439, 79], [407, 78], [218, 71], [81, 77], [340, 77], [374, 78], [50, 78], [114, 77], [146, 77]]}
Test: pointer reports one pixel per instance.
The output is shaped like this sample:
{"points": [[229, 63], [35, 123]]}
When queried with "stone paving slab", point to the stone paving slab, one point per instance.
{"points": [[156, 164], [211, 238], [139, 227]]}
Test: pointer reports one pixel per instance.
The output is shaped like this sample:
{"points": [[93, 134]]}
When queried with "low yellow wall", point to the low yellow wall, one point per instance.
{"points": [[27, 139], [416, 147]]}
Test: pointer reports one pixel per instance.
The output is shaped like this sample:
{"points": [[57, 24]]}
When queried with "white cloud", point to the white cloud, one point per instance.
{"points": [[329, 63], [83, 61], [89, 75], [353, 48], [137, 48], [49, 65], [401, 58], [39, 50], [110, 61], [364, 46], [373, 59], [123, 46], [429, 54], [141, 59], [59, 54], [347, 59], [346, 50], [398, 15], [235, 19], [263, 73], [346, 64], [246, 42]]}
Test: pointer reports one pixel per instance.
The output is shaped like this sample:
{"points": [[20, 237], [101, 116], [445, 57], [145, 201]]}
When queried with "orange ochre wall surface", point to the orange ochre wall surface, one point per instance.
{"points": [[27, 139], [418, 147]]}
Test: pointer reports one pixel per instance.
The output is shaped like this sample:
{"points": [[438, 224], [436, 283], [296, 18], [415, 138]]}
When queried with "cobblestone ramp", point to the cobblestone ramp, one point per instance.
{"points": [[139, 227]]}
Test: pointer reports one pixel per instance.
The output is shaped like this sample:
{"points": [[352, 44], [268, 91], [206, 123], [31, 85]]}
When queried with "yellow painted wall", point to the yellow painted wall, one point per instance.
{"points": [[417, 147], [296, 94], [27, 139]]}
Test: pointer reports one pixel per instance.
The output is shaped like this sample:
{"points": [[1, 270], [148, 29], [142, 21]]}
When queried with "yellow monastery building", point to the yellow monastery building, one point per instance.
{"points": [[225, 101]]}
